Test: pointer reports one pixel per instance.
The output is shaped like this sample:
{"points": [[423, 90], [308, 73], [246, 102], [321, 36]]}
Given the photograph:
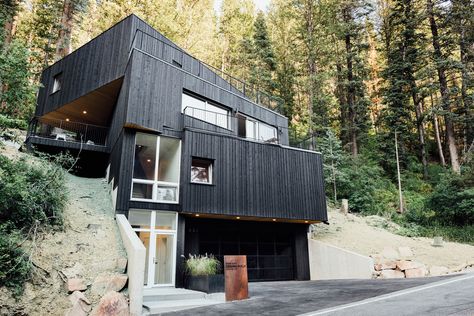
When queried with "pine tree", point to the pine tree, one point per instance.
{"points": [[263, 59]]}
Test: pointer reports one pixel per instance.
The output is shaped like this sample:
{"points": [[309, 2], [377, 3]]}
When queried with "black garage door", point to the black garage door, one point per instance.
{"points": [[270, 253]]}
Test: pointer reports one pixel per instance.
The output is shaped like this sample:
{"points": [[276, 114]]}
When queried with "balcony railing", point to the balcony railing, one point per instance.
{"points": [[172, 54], [227, 124], [62, 130]]}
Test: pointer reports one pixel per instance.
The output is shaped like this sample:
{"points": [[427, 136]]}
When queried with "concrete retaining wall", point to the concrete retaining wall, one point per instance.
{"points": [[330, 262], [136, 254]]}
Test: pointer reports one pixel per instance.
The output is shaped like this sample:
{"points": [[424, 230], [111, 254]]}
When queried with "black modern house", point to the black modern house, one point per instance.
{"points": [[194, 161]]}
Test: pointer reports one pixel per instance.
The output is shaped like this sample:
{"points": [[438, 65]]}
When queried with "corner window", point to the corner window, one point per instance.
{"points": [[201, 171], [57, 81], [205, 111], [156, 168]]}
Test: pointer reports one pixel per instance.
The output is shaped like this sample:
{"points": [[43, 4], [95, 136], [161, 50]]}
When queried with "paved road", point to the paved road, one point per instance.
{"points": [[450, 295], [446, 297]]}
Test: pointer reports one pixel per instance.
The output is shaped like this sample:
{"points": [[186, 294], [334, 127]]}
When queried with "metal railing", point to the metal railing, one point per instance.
{"points": [[64, 130], [176, 56], [224, 123]]}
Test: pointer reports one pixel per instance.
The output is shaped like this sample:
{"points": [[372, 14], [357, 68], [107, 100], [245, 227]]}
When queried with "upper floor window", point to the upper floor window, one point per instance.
{"points": [[201, 171], [253, 129], [156, 168], [205, 111], [57, 81]]}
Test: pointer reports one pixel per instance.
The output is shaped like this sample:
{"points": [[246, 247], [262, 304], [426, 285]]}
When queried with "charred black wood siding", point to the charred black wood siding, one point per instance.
{"points": [[95, 64], [253, 179], [155, 98]]}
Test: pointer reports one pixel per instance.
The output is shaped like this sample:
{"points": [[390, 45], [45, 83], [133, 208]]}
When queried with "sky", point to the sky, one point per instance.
{"points": [[259, 4]]}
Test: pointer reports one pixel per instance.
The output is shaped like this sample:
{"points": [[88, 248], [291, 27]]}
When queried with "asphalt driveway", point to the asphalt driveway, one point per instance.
{"points": [[353, 297]]}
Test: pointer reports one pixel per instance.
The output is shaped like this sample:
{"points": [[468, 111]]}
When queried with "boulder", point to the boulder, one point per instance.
{"points": [[391, 274], [78, 296], [105, 283], [438, 270], [415, 273], [76, 284], [406, 265], [76, 310], [390, 253], [387, 265], [405, 252], [112, 304]]}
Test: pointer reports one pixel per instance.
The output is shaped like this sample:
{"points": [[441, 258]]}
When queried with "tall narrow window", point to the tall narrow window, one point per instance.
{"points": [[57, 81], [156, 168]]}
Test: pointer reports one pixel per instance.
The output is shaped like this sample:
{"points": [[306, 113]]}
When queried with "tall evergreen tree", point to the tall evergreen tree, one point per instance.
{"points": [[263, 59]]}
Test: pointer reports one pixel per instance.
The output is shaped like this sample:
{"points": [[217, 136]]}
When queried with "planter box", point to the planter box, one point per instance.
{"points": [[206, 283]]}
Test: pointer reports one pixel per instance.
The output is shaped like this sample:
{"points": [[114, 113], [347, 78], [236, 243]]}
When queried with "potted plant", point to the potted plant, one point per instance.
{"points": [[203, 274]]}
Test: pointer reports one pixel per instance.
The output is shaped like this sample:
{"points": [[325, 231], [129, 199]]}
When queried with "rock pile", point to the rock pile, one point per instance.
{"points": [[106, 286], [398, 263]]}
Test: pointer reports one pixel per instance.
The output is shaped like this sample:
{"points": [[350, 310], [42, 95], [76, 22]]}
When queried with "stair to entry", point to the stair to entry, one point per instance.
{"points": [[164, 300]]}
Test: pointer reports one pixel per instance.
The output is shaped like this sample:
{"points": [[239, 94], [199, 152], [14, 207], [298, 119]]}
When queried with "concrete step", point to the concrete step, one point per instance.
{"points": [[157, 308], [170, 294]]}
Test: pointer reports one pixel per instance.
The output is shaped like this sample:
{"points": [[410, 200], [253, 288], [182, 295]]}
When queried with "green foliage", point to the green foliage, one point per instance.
{"points": [[17, 94], [15, 266], [366, 188], [7, 122], [453, 198], [31, 192], [202, 265]]}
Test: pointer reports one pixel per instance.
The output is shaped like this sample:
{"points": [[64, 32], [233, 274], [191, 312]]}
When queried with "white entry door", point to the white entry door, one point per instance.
{"points": [[157, 231]]}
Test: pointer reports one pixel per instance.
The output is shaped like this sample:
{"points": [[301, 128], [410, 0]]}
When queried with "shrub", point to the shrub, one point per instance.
{"points": [[367, 190], [7, 122], [15, 266], [452, 200], [31, 192], [202, 265]]}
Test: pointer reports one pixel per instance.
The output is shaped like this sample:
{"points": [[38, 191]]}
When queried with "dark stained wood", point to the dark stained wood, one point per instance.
{"points": [[236, 278], [253, 179]]}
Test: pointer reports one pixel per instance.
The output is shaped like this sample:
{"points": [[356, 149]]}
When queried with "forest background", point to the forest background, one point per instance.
{"points": [[351, 75]]}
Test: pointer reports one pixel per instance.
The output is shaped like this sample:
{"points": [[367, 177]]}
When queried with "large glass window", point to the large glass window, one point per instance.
{"points": [[253, 129], [205, 111], [156, 168]]}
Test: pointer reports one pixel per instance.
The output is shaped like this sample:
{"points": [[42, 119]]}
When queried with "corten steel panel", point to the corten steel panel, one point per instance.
{"points": [[236, 278], [253, 179]]}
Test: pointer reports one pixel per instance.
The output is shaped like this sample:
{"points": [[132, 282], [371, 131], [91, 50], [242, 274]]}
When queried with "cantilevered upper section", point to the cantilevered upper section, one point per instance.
{"points": [[85, 86]]}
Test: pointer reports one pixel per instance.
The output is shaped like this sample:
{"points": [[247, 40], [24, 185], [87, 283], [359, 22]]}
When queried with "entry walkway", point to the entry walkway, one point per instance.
{"points": [[327, 297]]}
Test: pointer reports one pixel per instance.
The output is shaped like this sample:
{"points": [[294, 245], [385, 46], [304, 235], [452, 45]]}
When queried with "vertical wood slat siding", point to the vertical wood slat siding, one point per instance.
{"points": [[156, 91], [252, 179], [95, 64]]}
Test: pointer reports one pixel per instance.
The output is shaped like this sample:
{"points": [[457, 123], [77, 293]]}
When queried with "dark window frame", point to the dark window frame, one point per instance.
{"points": [[209, 163]]}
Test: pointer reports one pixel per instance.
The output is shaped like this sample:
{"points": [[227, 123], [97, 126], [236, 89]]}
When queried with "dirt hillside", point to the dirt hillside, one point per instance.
{"points": [[89, 245], [370, 235]]}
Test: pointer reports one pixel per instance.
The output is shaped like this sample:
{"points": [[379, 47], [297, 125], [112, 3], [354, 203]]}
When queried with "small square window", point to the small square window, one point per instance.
{"points": [[57, 83], [201, 171]]}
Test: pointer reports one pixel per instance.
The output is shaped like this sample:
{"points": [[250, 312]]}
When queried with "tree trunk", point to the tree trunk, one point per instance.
{"points": [[63, 44], [421, 134], [312, 70], [350, 88], [341, 98], [437, 137], [443, 85]]}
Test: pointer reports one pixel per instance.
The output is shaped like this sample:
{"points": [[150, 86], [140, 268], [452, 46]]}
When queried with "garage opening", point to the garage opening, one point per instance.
{"points": [[269, 247]]}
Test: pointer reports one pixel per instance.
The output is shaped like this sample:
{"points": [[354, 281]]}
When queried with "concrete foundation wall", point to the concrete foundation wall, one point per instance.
{"points": [[330, 262], [136, 254]]}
